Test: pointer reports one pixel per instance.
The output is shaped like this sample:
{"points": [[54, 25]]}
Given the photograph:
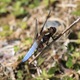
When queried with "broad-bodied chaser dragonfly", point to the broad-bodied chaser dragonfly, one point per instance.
{"points": [[44, 36]]}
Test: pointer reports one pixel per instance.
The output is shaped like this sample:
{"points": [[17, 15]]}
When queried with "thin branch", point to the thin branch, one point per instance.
{"points": [[36, 29], [45, 21], [76, 21]]}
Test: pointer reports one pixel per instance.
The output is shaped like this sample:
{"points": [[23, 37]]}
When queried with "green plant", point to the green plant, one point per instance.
{"points": [[44, 75], [69, 62], [77, 11], [19, 75], [16, 48], [3, 6], [67, 78], [34, 4], [40, 61], [18, 9]]}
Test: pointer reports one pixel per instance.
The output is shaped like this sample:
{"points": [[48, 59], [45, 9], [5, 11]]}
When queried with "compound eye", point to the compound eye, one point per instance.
{"points": [[52, 30]]}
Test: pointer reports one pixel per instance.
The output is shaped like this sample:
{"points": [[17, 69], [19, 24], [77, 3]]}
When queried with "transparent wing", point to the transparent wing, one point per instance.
{"points": [[52, 24], [30, 52]]}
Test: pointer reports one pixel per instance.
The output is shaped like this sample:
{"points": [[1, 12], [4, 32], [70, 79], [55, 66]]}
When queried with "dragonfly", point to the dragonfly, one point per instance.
{"points": [[42, 39]]}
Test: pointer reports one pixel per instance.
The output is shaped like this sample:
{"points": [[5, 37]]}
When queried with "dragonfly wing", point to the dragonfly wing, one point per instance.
{"points": [[52, 24], [30, 52]]}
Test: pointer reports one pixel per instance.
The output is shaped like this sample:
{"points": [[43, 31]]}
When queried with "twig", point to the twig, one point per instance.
{"points": [[45, 22], [36, 30]]}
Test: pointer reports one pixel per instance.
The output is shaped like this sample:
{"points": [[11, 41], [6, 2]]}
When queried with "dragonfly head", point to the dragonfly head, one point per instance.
{"points": [[52, 30]]}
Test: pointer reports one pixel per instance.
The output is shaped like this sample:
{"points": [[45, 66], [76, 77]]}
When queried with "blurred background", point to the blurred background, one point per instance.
{"points": [[17, 32]]}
